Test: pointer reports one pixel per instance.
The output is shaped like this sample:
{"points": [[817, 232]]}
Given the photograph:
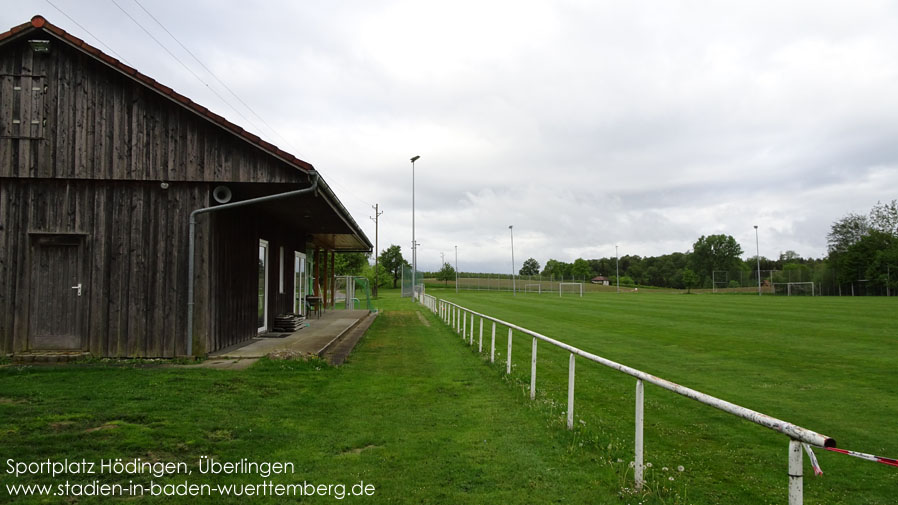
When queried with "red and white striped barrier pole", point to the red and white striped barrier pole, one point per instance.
{"points": [[868, 457]]}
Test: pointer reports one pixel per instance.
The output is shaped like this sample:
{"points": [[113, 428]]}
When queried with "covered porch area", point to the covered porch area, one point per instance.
{"points": [[319, 337]]}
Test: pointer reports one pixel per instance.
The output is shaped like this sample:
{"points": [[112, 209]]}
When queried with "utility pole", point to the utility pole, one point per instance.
{"points": [[376, 220]]}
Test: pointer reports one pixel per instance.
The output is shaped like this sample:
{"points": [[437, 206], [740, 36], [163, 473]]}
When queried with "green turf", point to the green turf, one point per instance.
{"points": [[418, 415], [828, 364], [411, 413]]}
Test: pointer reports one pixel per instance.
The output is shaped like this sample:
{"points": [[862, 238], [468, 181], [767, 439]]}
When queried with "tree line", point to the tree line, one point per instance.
{"points": [[862, 252]]}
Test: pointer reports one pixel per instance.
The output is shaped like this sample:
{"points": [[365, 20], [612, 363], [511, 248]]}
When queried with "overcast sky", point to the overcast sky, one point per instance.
{"points": [[585, 124]]}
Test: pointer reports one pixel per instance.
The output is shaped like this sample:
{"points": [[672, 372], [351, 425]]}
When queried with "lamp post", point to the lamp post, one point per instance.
{"points": [[456, 269], [513, 289], [617, 268], [414, 247], [758, 257]]}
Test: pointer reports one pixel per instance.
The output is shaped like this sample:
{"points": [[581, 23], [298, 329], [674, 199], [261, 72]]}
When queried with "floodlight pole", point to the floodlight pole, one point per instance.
{"points": [[758, 257], [617, 268], [414, 246], [513, 290], [456, 269]]}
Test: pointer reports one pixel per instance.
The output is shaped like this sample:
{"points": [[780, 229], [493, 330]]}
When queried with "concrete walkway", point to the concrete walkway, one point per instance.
{"points": [[313, 339]]}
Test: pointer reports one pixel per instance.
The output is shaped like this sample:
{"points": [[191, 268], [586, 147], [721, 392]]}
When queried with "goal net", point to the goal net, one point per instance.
{"points": [[794, 288], [533, 288], [570, 288], [720, 280]]}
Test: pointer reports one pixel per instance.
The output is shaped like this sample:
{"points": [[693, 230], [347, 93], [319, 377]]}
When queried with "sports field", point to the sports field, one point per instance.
{"points": [[828, 364]]}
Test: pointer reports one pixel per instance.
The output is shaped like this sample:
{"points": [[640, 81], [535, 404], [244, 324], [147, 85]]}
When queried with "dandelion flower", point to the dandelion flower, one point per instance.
{"points": [[670, 478], [680, 468], [663, 468], [648, 465]]}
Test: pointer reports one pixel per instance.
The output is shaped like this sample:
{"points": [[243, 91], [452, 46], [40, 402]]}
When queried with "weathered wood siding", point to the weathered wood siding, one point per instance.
{"points": [[234, 279], [103, 125], [136, 244], [93, 165]]}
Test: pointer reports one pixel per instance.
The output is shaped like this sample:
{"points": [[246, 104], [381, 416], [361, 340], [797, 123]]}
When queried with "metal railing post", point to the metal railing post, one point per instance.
{"points": [[464, 323], [570, 393], [471, 334], [508, 357], [638, 468], [480, 340], [533, 370], [493, 345], [796, 491]]}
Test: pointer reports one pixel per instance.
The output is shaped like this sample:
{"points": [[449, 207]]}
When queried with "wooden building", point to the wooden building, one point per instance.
{"points": [[102, 169]]}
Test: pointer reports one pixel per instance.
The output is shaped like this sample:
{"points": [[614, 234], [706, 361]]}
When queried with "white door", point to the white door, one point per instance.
{"points": [[299, 283], [263, 286]]}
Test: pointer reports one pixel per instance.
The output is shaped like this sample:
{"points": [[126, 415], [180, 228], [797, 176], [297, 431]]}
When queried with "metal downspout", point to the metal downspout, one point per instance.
{"points": [[192, 244]]}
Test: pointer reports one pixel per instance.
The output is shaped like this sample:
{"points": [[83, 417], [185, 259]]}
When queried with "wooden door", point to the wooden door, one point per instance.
{"points": [[58, 294]]}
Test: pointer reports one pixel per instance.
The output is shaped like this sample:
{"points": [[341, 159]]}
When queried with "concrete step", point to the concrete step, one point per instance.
{"points": [[337, 351]]}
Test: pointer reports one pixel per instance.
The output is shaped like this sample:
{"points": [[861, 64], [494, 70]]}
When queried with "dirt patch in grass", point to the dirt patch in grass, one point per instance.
{"points": [[10, 401], [359, 450], [424, 320], [101, 428]]}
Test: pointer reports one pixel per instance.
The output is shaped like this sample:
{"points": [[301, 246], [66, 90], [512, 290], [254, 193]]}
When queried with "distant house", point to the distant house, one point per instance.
{"points": [[604, 281], [135, 222]]}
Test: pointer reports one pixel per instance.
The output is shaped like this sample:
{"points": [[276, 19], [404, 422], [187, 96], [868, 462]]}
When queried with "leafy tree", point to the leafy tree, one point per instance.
{"points": [[690, 279], [581, 270], [716, 252], [392, 261], [350, 263], [868, 258], [446, 274], [558, 269], [789, 255], [846, 232], [884, 217], [530, 267]]}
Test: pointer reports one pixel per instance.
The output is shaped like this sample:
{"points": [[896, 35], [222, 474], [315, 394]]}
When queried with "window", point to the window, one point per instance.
{"points": [[24, 119], [263, 285], [299, 283], [281, 270]]}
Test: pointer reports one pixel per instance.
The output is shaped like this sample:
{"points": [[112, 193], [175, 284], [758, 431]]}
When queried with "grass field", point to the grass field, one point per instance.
{"points": [[828, 364], [411, 413], [419, 416]]}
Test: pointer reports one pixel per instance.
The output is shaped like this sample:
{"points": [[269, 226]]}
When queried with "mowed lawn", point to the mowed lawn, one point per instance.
{"points": [[828, 364], [412, 413]]}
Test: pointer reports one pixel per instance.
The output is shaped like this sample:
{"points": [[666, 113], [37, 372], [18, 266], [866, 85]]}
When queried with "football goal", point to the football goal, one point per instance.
{"points": [[720, 279], [570, 287], [533, 288], [794, 288]]}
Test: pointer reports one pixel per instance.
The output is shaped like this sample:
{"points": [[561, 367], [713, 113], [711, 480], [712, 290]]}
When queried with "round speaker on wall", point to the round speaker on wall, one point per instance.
{"points": [[221, 194]]}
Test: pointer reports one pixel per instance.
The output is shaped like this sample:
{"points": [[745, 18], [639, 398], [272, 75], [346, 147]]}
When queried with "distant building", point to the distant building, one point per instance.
{"points": [[604, 281]]}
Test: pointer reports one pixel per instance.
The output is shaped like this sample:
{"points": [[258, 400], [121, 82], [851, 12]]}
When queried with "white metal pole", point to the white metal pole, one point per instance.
{"points": [[796, 490], [513, 290], [570, 393], [617, 268], [758, 257], [472, 329], [533, 370], [480, 340], [456, 269], [464, 323], [493, 345], [414, 248], [508, 356], [638, 468]]}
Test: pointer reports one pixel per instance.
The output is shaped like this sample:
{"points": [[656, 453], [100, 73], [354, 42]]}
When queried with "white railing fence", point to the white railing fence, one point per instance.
{"points": [[458, 317]]}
